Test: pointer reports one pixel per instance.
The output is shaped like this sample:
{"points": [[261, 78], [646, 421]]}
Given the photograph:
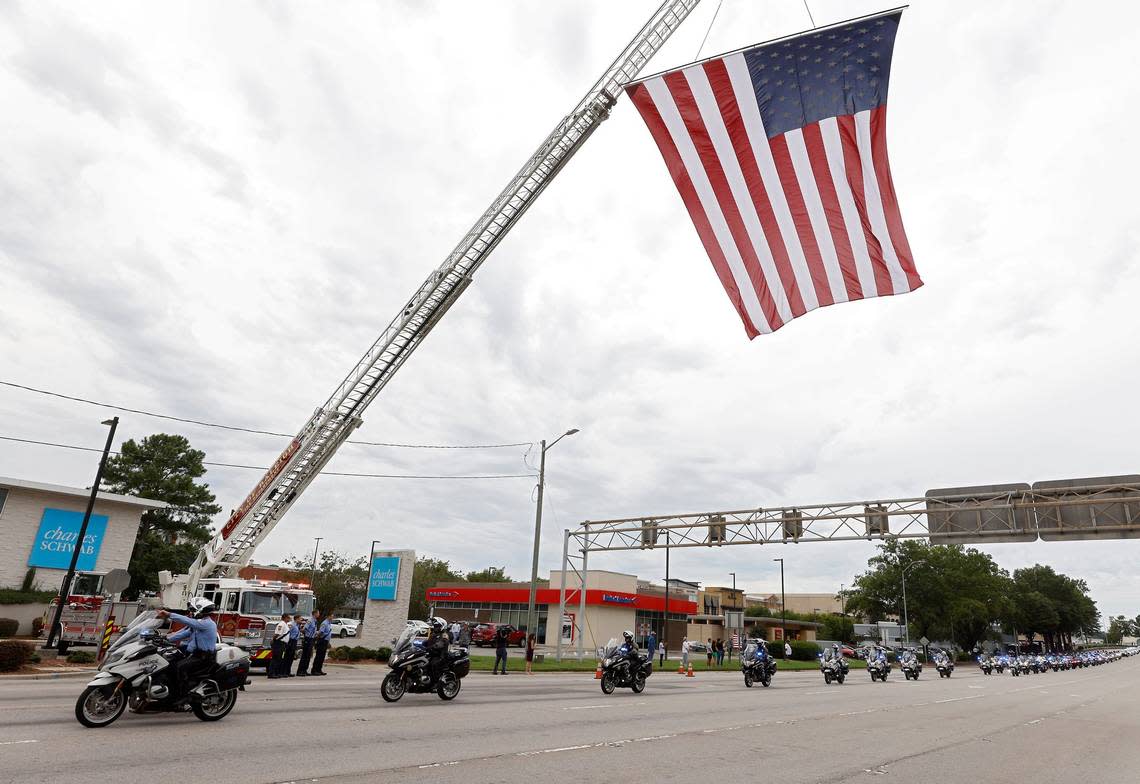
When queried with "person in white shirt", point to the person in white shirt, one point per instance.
{"points": [[685, 653], [280, 638], [787, 650]]}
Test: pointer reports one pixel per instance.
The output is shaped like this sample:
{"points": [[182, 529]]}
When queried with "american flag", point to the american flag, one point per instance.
{"points": [[780, 155]]}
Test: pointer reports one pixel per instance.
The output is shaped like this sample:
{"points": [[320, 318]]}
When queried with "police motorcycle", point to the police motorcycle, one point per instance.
{"points": [[877, 664], [986, 663], [833, 666], [757, 664], [944, 664], [412, 667], [910, 665], [1001, 662], [138, 673], [623, 666], [1020, 666]]}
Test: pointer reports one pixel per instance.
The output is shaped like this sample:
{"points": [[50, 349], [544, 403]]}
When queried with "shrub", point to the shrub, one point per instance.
{"points": [[383, 654], [9, 627], [80, 657], [359, 652], [338, 654], [12, 596], [804, 650], [34, 658], [37, 627], [14, 655]]}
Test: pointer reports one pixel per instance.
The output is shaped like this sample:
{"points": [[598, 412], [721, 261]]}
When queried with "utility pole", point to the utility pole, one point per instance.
{"points": [[783, 604], [313, 573], [665, 629], [56, 633], [531, 621], [906, 620]]}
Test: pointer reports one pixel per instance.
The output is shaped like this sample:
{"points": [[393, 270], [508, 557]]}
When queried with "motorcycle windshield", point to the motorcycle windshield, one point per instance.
{"points": [[405, 640], [611, 648], [145, 622], [750, 651]]}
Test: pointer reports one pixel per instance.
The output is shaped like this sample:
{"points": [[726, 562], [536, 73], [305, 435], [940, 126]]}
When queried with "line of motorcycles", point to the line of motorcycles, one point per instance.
{"points": [[835, 668], [1029, 664]]}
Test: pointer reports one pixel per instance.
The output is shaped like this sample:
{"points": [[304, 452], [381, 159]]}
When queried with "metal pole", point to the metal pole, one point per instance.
{"points": [[665, 630], [561, 594], [313, 572], [783, 604], [368, 584], [537, 537], [906, 621], [65, 587], [582, 595], [734, 609]]}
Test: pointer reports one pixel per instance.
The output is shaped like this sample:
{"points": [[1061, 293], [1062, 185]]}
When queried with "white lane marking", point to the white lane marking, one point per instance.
{"points": [[977, 687], [959, 699], [560, 748], [1035, 721], [590, 707], [14, 742], [856, 713]]}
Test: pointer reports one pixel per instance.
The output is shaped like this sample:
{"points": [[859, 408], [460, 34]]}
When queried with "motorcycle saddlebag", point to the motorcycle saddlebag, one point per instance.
{"points": [[461, 667], [232, 674]]}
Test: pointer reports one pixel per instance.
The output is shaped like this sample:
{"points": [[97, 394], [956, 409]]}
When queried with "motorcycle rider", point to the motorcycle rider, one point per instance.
{"points": [[628, 648], [436, 646], [201, 636]]}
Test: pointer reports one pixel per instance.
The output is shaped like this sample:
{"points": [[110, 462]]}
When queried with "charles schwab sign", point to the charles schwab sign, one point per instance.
{"points": [[57, 538]]}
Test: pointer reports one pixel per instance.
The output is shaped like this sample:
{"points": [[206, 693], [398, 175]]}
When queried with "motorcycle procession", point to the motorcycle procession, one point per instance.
{"points": [[190, 671]]}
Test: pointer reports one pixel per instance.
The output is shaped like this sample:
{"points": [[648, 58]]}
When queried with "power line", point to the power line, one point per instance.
{"points": [[239, 429], [265, 468]]}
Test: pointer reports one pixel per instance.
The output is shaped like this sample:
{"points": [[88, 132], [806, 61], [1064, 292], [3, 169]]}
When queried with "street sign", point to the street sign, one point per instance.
{"points": [[116, 581], [979, 515], [1080, 519], [923, 641]]}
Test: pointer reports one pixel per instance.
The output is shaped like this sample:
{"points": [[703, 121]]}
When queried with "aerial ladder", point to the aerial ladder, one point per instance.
{"points": [[331, 424]]}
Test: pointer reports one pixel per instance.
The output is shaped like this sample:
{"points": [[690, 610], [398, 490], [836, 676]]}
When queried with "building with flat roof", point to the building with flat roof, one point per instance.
{"points": [[39, 531]]}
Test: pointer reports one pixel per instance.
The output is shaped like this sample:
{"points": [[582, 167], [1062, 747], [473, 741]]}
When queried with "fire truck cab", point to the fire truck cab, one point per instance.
{"points": [[249, 609]]}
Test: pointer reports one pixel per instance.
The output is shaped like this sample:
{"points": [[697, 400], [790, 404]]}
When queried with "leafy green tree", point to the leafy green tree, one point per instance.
{"points": [[428, 572], [838, 627], [492, 574], [1073, 611], [163, 467], [337, 582]]}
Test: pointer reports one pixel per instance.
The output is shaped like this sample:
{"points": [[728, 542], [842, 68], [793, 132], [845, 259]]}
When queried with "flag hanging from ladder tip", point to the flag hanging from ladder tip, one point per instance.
{"points": [[780, 155]]}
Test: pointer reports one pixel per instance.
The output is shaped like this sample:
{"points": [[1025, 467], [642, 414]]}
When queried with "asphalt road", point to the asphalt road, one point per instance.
{"points": [[555, 728]]}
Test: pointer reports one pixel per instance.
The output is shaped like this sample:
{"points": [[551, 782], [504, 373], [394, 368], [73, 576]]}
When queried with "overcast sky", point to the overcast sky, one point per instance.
{"points": [[212, 209]]}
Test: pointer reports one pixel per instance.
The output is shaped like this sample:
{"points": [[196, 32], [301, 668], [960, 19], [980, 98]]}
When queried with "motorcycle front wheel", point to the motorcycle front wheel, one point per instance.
{"points": [[608, 683], [839, 678], [216, 706], [766, 681], [393, 687], [638, 685], [448, 687], [748, 679], [98, 706], [827, 678]]}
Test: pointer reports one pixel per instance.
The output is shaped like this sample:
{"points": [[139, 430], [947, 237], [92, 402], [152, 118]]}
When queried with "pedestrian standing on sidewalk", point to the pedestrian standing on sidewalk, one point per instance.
{"points": [[651, 644], [661, 653], [464, 635], [308, 635], [324, 638], [709, 653], [787, 650], [685, 653], [531, 640], [500, 650], [277, 647], [291, 646], [720, 653]]}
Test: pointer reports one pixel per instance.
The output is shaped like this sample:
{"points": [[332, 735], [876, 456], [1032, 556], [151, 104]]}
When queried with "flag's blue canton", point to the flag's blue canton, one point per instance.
{"points": [[838, 71]]}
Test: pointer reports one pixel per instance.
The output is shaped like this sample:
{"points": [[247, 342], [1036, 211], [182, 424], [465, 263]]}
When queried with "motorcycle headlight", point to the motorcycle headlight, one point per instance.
{"points": [[113, 658], [607, 662]]}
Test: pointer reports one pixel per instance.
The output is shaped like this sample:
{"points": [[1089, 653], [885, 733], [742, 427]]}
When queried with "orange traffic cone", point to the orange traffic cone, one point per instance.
{"points": [[680, 668], [690, 673], [598, 672]]}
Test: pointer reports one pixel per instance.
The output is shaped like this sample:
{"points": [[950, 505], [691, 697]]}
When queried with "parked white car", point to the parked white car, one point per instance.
{"points": [[344, 627]]}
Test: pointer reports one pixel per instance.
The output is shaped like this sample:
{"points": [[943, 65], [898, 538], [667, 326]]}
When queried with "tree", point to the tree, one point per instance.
{"points": [[163, 467], [838, 627], [1073, 612], [953, 592], [428, 572], [337, 581], [1121, 627], [492, 574]]}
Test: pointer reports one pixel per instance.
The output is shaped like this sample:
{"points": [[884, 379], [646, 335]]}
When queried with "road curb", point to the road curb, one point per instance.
{"points": [[48, 676]]}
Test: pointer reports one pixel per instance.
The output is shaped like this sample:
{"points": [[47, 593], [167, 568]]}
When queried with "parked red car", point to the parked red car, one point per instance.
{"points": [[483, 635]]}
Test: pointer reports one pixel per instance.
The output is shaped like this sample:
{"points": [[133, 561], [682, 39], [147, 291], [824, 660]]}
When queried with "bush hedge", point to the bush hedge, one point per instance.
{"points": [[356, 653], [12, 596], [9, 627], [81, 657], [802, 650], [14, 655]]}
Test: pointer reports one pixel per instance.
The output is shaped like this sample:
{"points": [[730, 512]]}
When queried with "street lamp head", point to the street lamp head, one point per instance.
{"points": [[571, 431], [107, 422]]}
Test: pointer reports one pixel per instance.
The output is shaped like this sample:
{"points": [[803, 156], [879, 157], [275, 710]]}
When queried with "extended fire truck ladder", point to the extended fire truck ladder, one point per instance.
{"points": [[331, 424]]}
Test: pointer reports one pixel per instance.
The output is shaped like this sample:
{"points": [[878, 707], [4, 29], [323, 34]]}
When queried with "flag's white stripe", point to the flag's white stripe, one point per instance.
{"points": [[754, 125], [833, 146], [714, 124], [663, 100], [797, 150], [875, 202]]}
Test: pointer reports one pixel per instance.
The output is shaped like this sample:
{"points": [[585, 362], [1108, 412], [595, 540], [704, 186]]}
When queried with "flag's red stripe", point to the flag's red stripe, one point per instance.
{"points": [[639, 94], [817, 155], [691, 115], [890, 201], [746, 156], [800, 218], [854, 168]]}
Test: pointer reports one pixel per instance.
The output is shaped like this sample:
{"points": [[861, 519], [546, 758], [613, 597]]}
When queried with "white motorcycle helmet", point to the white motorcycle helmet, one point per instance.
{"points": [[200, 606]]}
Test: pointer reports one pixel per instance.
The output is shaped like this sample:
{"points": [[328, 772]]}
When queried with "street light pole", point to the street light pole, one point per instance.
{"points": [[313, 571], [783, 604], [906, 620], [531, 621], [665, 627], [65, 588]]}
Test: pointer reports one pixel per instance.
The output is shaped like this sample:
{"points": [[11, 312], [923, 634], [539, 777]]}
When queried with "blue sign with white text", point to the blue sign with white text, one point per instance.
{"points": [[384, 578], [55, 541]]}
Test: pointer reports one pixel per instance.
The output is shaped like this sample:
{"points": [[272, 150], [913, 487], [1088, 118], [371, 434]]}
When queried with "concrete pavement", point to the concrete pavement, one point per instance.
{"points": [[559, 728]]}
